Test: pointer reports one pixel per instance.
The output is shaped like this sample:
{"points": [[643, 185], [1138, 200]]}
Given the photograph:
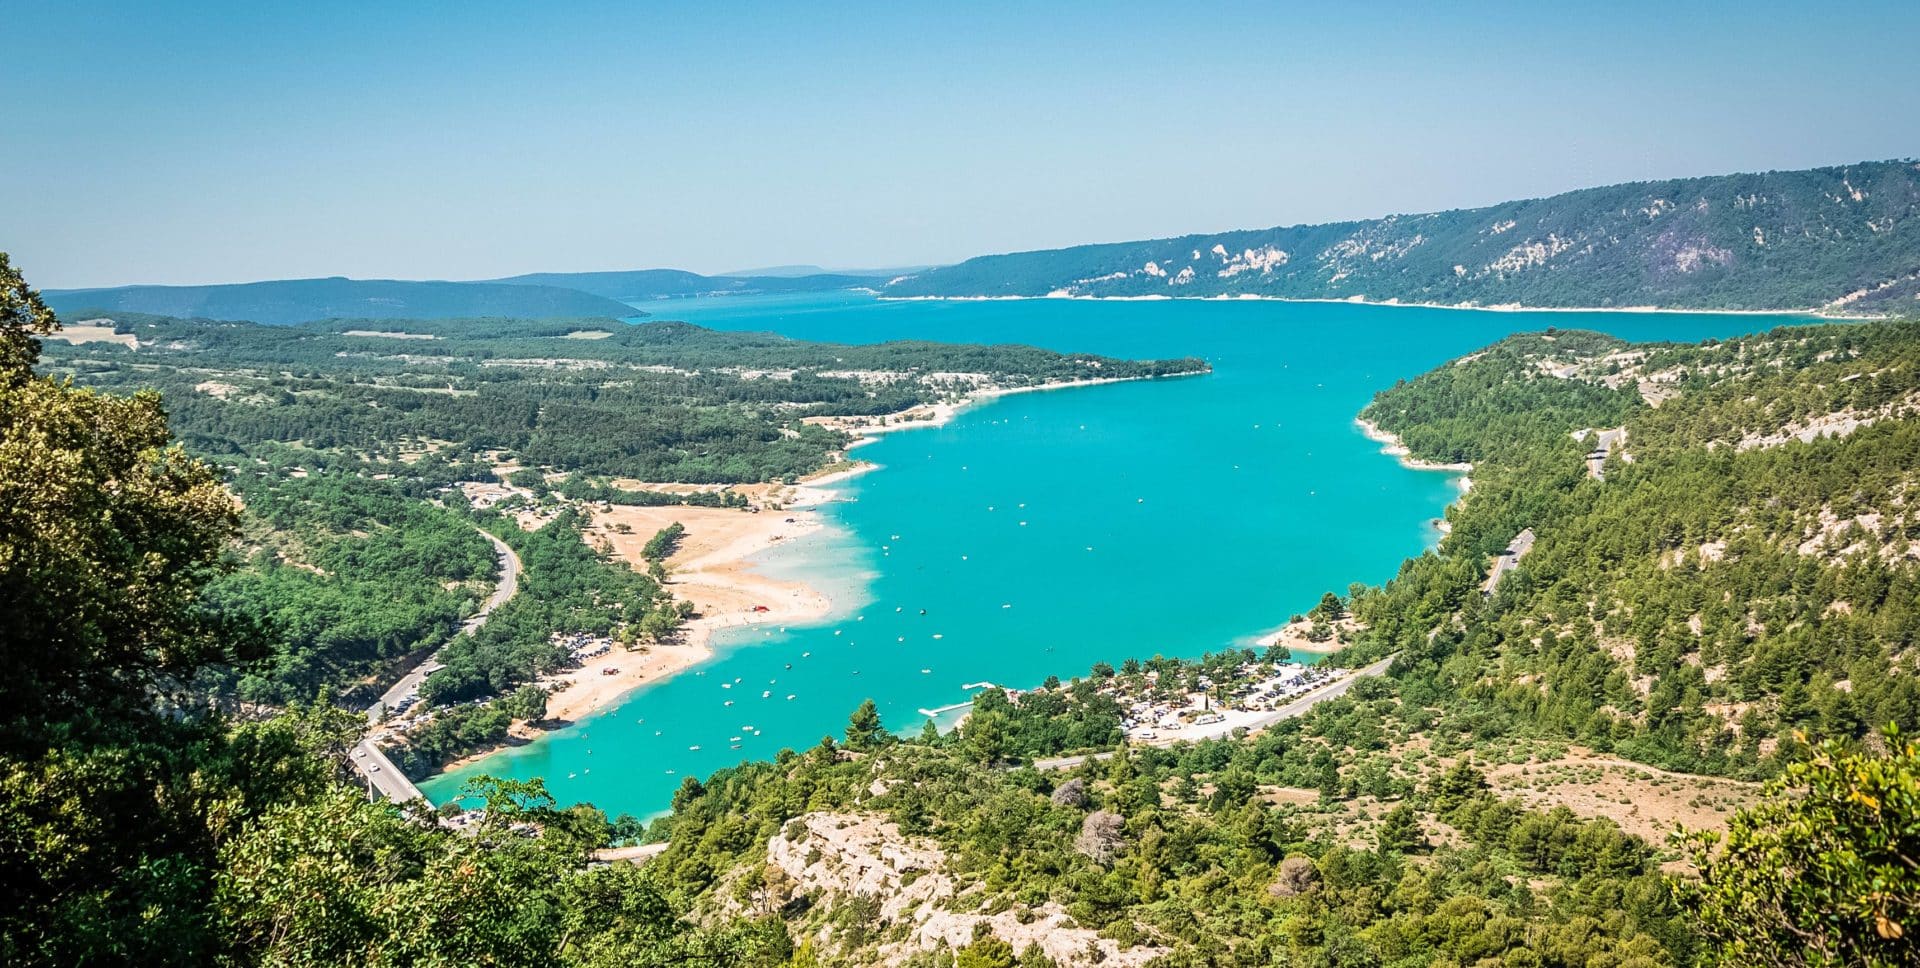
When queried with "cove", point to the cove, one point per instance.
{"points": [[1043, 532]]}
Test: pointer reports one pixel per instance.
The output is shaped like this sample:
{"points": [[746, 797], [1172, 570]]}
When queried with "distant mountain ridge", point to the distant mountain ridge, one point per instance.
{"points": [[642, 284], [287, 301], [789, 272], [1840, 238]]}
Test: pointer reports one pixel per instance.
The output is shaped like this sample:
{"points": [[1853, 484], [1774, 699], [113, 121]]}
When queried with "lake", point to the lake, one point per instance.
{"points": [[1043, 532]]}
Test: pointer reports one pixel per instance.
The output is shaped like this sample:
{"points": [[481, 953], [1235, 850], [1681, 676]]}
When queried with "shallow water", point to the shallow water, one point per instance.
{"points": [[1043, 532]]}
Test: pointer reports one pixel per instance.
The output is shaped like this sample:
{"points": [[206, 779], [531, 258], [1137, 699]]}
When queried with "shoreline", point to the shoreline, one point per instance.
{"points": [[865, 431], [1821, 314], [713, 568], [1393, 446]]}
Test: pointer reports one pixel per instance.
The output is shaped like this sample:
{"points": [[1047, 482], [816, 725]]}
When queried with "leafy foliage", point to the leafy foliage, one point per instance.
{"points": [[1826, 872], [139, 830]]}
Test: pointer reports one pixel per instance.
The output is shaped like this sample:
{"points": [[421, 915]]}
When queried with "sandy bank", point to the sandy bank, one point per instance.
{"points": [[709, 569], [1391, 445], [1296, 637]]}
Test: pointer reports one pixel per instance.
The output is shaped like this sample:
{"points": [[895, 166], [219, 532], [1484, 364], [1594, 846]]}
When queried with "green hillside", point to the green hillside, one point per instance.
{"points": [[1844, 238], [298, 300], [1734, 586]]}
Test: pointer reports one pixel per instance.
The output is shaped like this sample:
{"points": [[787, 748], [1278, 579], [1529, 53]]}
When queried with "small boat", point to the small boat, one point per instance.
{"points": [[734, 739], [695, 748], [790, 697], [938, 635], [727, 703], [765, 693], [805, 654], [926, 672]]}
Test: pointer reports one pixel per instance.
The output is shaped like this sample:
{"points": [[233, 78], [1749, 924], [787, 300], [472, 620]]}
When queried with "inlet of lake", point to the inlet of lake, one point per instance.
{"points": [[1041, 533]]}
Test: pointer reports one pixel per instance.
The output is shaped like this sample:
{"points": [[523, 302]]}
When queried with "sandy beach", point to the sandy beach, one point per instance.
{"points": [[710, 569], [1294, 636]]}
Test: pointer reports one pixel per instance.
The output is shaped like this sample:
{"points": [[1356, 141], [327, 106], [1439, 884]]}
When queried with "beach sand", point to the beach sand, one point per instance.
{"points": [[710, 569]]}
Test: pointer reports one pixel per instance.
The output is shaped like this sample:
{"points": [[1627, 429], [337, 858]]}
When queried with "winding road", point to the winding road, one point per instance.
{"points": [[509, 570], [371, 762]]}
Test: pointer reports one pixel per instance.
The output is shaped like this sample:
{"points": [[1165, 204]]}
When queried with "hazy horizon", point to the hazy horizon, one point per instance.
{"points": [[222, 145]]}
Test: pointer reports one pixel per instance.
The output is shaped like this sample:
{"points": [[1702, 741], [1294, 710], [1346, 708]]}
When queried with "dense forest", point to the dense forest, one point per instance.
{"points": [[1742, 570], [665, 402], [1840, 238]]}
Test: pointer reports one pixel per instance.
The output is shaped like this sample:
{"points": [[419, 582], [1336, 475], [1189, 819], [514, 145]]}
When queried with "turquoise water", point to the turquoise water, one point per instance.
{"points": [[1043, 532]]}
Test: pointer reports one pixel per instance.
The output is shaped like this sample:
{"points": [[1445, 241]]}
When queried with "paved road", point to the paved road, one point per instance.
{"points": [[379, 772], [509, 568], [381, 775], [1298, 707], [1609, 439]]}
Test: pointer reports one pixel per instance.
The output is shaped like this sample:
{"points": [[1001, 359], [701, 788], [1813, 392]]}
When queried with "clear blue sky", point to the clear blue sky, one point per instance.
{"points": [[187, 143]]}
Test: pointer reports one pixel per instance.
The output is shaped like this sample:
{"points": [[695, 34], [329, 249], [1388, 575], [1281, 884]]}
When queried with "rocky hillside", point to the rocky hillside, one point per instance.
{"points": [[1845, 238]]}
